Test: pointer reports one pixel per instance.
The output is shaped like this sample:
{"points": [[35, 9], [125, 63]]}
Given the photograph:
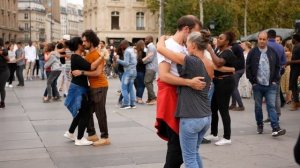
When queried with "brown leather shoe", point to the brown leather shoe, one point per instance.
{"points": [[101, 142], [239, 109], [93, 138]]}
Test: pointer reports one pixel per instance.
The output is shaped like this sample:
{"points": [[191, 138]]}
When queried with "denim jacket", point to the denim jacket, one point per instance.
{"points": [[74, 98], [130, 60]]}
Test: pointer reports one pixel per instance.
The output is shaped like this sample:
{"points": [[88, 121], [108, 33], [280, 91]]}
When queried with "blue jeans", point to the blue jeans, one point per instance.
{"points": [[191, 133], [127, 87], [41, 66], [139, 84], [210, 92], [269, 92]]}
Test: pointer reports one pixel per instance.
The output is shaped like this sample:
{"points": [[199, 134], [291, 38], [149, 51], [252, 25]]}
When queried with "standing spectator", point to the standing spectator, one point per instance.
{"points": [[295, 72], [119, 69], [245, 87], [263, 72], [140, 68], [239, 71], [278, 39], [224, 84], [151, 68], [20, 59], [105, 53], [285, 78], [41, 60], [129, 64], [11, 64], [30, 56], [4, 74], [278, 48], [36, 67]]}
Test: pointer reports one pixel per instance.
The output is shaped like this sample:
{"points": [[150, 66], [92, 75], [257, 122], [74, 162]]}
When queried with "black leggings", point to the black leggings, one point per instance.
{"points": [[82, 118], [220, 102], [12, 68], [4, 75]]}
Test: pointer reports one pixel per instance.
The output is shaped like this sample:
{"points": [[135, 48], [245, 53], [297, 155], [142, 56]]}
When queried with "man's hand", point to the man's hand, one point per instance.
{"points": [[197, 83], [76, 73]]}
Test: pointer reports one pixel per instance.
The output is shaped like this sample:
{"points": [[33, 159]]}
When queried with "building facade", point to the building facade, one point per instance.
{"points": [[9, 28], [31, 18], [53, 29], [74, 19], [115, 20]]}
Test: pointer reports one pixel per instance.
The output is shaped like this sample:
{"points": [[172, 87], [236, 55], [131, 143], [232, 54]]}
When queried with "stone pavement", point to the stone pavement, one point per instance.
{"points": [[31, 136]]}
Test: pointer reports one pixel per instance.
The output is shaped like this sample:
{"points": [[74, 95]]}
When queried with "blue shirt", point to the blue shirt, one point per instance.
{"points": [[263, 72], [130, 59], [279, 51]]}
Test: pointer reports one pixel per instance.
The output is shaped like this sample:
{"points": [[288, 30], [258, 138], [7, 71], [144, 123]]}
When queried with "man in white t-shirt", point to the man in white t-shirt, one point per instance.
{"points": [[166, 124], [30, 56]]}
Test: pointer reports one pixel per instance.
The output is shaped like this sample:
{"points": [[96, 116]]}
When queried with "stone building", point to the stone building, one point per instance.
{"points": [[9, 28], [115, 20], [31, 18]]}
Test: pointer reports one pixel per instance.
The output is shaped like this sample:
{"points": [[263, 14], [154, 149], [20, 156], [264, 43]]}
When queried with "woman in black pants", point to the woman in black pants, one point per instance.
{"points": [[77, 99], [4, 74], [224, 86]]}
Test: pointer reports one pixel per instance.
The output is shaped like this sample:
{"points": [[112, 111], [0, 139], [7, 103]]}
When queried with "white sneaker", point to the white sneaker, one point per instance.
{"points": [[223, 141], [10, 86], [83, 142], [69, 136], [212, 137], [6, 85]]}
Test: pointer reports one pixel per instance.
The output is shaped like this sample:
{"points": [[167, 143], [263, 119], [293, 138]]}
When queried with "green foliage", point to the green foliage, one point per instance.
{"points": [[229, 14]]}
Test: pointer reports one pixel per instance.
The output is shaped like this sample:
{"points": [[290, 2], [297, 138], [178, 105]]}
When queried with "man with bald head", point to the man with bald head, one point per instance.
{"points": [[151, 69], [262, 70]]}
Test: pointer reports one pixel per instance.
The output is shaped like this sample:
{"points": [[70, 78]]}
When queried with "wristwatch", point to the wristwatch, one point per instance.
{"points": [[82, 72]]}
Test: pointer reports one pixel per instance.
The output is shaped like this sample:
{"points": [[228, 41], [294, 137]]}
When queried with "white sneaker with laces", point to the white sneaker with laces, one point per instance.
{"points": [[212, 137], [69, 136], [223, 141], [83, 142]]}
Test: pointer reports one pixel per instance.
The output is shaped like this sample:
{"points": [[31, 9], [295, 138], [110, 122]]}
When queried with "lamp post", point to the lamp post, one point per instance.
{"points": [[161, 17], [212, 26], [29, 8]]}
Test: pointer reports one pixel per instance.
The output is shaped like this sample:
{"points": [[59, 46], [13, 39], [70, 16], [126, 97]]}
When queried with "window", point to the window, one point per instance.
{"points": [[25, 15], [26, 37], [140, 21], [115, 20], [26, 26]]}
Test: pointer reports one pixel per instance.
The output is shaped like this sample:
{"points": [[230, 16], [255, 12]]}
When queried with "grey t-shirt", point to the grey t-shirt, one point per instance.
{"points": [[19, 53], [193, 103]]}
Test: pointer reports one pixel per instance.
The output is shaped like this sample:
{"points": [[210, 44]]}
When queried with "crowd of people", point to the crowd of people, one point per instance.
{"points": [[196, 77]]}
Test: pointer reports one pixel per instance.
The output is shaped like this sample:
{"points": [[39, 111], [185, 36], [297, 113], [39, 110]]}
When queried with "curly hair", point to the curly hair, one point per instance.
{"points": [[91, 37]]}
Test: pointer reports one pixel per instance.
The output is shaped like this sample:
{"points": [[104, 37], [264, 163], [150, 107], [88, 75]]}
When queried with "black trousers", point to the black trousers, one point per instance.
{"points": [[174, 155], [12, 68], [220, 102], [82, 118], [97, 103], [293, 84], [4, 75]]}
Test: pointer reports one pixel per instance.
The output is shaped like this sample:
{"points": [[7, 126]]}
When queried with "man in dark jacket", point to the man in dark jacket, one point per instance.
{"points": [[262, 70]]}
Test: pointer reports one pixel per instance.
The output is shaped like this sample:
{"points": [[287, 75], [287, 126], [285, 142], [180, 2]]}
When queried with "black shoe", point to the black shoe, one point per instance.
{"points": [[260, 129], [125, 107], [278, 132], [2, 105], [205, 141], [231, 107], [267, 121]]}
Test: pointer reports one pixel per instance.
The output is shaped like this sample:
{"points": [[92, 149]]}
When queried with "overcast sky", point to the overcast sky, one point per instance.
{"points": [[76, 2]]}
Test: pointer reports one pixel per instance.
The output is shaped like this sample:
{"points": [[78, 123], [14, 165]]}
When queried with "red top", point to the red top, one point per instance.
{"points": [[166, 108]]}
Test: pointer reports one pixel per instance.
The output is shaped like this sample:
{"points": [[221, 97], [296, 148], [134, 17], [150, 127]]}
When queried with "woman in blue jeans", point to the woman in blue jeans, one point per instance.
{"points": [[193, 107], [129, 64], [141, 69]]}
